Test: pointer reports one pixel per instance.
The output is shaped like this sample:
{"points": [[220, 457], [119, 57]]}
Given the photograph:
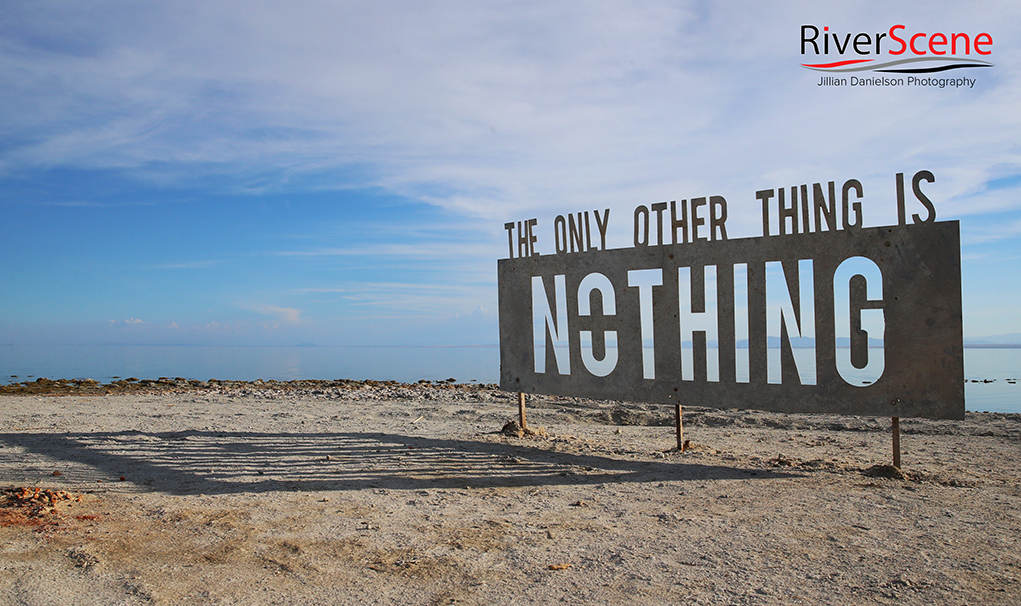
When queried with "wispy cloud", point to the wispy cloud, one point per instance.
{"points": [[489, 113], [286, 315], [423, 250], [486, 111], [992, 232], [94, 203]]}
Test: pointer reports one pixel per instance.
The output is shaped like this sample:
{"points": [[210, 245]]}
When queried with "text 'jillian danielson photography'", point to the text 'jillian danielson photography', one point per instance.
{"points": [[909, 81]]}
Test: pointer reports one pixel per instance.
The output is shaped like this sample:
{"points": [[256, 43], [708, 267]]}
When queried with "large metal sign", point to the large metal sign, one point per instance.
{"points": [[862, 321]]}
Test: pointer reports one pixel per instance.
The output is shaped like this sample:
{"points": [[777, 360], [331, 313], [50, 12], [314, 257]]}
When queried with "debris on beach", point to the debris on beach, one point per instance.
{"points": [[514, 430], [45, 386], [885, 471], [32, 506]]}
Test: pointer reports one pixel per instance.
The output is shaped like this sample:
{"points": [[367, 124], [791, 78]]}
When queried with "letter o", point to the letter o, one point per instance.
{"points": [[591, 282]]}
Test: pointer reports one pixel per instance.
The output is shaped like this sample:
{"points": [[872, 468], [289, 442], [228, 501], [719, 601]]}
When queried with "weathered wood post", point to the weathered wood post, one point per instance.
{"points": [[680, 429], [896, 442]]}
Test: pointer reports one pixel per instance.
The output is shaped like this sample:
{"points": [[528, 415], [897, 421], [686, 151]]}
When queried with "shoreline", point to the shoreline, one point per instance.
{"points": [[374, 389], [427, 389], [46, 386]]}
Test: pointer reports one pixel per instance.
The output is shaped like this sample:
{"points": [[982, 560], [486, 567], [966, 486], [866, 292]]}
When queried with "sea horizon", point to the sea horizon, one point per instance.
{"points": [[991, 370]]}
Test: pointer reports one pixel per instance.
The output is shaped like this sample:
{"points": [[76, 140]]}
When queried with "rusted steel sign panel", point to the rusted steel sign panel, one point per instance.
{"points": [[860, 321]]}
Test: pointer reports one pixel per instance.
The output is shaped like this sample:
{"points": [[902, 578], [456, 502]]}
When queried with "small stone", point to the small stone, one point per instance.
{"points": [[56, 473]]}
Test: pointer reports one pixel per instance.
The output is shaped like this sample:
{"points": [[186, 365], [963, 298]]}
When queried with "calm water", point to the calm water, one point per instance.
{"points": [[102, 362], [997, 365], [407, 364]]}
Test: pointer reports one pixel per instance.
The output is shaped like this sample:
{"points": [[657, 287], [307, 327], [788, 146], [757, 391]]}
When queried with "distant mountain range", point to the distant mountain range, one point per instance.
{"points": [[774, 342], [1008, 340]]}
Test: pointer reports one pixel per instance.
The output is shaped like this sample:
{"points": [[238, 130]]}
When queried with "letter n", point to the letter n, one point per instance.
{"points": [[542, 320], [780, 318]]}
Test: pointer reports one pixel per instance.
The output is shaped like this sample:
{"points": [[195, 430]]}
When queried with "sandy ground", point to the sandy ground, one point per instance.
{"points": [[400, 495]]}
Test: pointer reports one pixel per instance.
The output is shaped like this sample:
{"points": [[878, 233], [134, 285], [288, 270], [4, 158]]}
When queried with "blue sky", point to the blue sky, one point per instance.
{"points": [[340, 173]]}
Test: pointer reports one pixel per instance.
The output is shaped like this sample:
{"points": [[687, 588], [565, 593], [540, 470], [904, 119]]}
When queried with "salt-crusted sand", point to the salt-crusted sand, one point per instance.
{"points": [[397, 495]]}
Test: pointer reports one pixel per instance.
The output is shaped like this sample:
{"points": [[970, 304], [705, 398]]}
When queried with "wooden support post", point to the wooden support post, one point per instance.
{"points": [[521, 409], [680, 429], [896, 442]]}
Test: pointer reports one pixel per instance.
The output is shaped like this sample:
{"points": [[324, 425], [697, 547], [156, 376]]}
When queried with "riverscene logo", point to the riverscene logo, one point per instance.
{"points": [[895, 51]]}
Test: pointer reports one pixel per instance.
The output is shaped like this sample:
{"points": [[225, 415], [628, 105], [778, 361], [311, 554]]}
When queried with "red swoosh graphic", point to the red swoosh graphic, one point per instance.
{"points": [[838, 63]]}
